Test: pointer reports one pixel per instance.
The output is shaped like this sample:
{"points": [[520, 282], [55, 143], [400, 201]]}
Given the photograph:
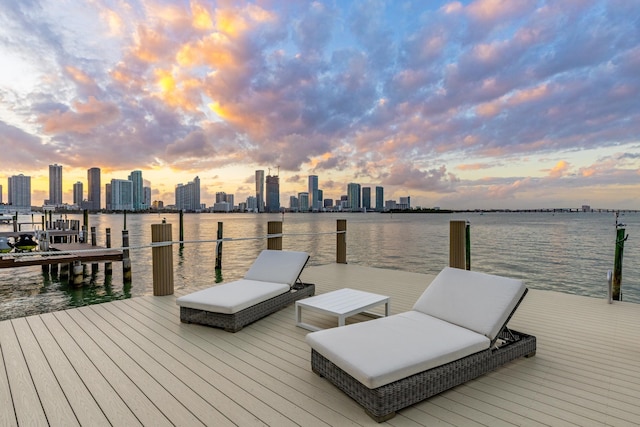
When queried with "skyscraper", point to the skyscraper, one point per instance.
{"points": [[77, 194], [366, 198], [20, 192], [379, 199], [121, 195], [93, 190], [188, 196], [303, 202], [313, 193], [353, 196], [138, 190], [260, 190], [0, 193], [273, 194], [55, 185]]}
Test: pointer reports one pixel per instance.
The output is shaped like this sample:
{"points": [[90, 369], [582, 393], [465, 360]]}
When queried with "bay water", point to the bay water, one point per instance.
{"points": [[564, 252]]}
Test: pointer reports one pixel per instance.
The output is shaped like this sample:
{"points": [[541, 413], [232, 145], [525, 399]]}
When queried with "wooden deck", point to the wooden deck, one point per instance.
{"points": [[132, 362]]}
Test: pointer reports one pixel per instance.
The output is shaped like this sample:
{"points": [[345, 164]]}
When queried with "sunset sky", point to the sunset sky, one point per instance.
{"points": [[481, 104]]}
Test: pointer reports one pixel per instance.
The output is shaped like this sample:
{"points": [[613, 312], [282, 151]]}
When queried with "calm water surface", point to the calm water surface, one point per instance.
{"points": [[565, 252]]}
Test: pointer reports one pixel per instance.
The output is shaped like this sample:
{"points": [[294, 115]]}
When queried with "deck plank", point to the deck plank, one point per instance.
{"points": [[132, 362]]}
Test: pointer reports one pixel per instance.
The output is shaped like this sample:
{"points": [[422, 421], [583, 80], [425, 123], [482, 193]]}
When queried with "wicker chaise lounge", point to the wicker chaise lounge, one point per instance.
{"points": [[456, 331], [271, 283]]}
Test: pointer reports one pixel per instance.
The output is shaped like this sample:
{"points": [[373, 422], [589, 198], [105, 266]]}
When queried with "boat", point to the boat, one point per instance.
{"points": [[5, 246], [25, 243]]}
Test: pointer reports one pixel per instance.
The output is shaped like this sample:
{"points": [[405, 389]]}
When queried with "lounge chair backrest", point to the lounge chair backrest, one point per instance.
{"points": [[277, 266], [476, 301]]}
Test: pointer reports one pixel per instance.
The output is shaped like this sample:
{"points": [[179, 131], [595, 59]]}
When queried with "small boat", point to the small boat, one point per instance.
{"points": [[5, 246], [25, 243]]}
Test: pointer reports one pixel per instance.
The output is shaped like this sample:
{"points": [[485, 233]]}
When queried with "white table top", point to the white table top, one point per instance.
{"points": [[342, 301]]}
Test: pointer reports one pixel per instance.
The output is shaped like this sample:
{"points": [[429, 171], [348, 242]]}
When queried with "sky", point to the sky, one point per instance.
{"points": [[461, 104]]}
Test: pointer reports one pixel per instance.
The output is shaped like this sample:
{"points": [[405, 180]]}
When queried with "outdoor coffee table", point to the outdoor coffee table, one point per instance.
{"points": [[341, 303]]}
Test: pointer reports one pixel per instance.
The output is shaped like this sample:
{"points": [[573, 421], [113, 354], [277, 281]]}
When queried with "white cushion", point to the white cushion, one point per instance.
{"points": [[384, 350], [277, 266], [232, 297], [476, 301]]}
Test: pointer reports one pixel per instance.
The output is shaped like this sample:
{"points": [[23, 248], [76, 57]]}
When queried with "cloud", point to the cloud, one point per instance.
{"points": [[86, 117]]}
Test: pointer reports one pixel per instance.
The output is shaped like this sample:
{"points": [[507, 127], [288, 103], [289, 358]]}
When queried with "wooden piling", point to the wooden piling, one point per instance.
{"points": [[181, 230], [64, 272], [219, 248], [85, 218], [457, 244], [341, 241], [467, 245], [94, 266], [617, 263], [126, 261], [78, 277], [108, 266], [162, 257], [274, 228]]}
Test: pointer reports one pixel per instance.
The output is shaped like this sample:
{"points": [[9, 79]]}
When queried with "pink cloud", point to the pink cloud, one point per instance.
{"points": [[86, 117]]}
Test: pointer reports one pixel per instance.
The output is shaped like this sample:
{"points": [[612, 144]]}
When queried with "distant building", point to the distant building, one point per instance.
{"points": [[366, 198], [147, 197], [55, 185], [138, 190], [260, 190], [405, 203], [157, 204], [390, 204], [222, 207], [78, 194], [328, 203], [303, 202], [20, 192], [0, 194], [353, 196], [379, 199], [586, 208], [273, 194], [252, 204], [314, 197], [121, 195], [293, 204], [188, 196], [221, 196], [93, 190]]}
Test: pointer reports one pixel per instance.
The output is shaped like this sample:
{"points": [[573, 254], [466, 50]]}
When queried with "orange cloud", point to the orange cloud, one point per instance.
{"points": [[84, 119], [184, 94], [474, 166], [559, 169], [201, 17]]}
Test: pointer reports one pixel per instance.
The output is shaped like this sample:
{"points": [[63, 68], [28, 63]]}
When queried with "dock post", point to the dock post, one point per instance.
{"points": [[53, 269], [45, 269], [617, 262], [94, 266], [64, 272], [219, 248], [274, 227], [341, 241], [108, 266], [467, 245], [457, 244], [126, 261], [162, 257], [85, 219], [78, 276], [181, 231]]}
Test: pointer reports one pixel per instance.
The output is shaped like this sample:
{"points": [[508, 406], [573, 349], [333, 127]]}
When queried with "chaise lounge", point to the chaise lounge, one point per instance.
{"points": [[272, 283], [456, 331]]}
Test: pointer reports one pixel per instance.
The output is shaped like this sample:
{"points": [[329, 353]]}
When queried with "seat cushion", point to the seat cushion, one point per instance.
{"points": [[232, 297], [277, 266], [384, 350], [476, 301]]}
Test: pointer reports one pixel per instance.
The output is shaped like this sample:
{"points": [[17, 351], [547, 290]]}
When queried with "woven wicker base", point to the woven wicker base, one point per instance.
{"points": [[236, 321], [381, 403]]}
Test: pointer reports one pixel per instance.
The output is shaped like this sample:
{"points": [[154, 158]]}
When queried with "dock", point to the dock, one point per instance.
{"points": [[56, 255], [131, 362]]}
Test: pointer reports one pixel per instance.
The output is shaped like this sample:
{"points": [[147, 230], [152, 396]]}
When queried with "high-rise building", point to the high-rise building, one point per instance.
{"points": [[138, 190], [273, 194], [252, 204], [293, 204], [353, 196], [188, 196], [0, 193], [405, 203], [20, 192], [260, 190], [379, 199], [107, 196], [221, 196], [77, 194], [303, 202], [313, 193], [366, 198], [147, 196], [55, 185], [93, 190], [121, 195]]}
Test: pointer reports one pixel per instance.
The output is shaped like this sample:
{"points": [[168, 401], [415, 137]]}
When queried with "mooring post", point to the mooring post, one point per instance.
{"points": [[94, 266], [181, 231], [125, 220], [341, 241], [457, 244], [162, 258], [85, 217], [64, 272], [467, 245], [126, 261], [78, 271], [274, 228], [108, 266], [219, 248], [617, 262]]}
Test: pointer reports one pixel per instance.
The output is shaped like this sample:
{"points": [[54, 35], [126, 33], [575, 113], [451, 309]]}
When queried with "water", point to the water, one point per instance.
{"points": [[565, 252]]}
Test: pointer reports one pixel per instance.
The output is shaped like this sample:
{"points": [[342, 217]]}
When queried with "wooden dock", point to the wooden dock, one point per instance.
{"points": [[132, 362], [51, 257]]}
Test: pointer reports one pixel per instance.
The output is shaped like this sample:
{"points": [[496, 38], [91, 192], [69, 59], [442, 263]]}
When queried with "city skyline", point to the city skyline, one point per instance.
{"points": [[459, 104]]}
